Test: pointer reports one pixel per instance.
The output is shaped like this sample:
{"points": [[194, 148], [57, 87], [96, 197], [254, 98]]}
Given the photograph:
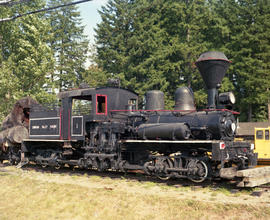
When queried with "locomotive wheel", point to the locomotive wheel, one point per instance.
{"points": [[57, 167], [161, 166], [199, 171]]}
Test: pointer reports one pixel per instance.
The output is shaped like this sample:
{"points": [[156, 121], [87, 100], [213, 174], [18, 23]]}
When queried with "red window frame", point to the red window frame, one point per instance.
{"points": [[101, 113]]}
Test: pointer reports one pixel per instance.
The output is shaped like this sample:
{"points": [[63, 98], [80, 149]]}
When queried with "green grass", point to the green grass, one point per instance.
{"points": [[36, 195]]}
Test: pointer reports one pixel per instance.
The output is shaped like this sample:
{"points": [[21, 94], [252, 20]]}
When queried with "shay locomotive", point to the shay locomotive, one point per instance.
{"points": [[102, 128]]}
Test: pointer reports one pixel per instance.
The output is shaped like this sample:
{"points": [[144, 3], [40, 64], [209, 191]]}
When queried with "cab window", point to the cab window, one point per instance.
{"points": [[259, 134], [101, 104], [132, 103], [266, 134], [81, 106]]}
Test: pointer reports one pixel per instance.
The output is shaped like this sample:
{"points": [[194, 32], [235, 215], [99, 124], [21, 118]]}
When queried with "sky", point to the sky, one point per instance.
{"points": [[90, 16]]}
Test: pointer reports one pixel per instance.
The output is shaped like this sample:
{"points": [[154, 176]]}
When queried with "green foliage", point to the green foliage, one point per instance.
{"points": [[95, 77], [39, 53], [69, 44], [248, 45], [26, 59], [147, 44], [153, 45]]}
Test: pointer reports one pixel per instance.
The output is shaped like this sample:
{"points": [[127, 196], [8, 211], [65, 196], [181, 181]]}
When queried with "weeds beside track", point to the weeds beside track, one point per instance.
{"points": [[33, 193]]}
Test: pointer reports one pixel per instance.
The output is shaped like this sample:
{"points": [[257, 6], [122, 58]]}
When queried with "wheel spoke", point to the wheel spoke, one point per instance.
{"points": [[162, 165], [200, 171]]}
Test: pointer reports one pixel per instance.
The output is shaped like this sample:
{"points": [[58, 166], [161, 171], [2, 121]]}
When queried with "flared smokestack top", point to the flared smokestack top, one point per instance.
{"points": [[212, 66]]}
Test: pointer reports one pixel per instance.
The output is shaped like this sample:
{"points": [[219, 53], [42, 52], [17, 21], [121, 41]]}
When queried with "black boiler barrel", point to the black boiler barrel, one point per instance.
{"points": [[165, 131]]}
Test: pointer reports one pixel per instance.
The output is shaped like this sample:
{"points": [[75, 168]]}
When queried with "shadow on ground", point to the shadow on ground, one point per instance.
{"points": [[132, 176]]}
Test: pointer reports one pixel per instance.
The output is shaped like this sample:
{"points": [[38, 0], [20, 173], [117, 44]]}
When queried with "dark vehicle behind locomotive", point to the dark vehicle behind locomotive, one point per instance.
{"points": [[102, 128]]}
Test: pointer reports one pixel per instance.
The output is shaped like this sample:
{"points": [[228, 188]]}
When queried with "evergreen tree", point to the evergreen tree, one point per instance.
{"points": [[69, 44], [152, 44], [248, 45], [95, 77], [190, 28], [25, 56], [112, 38]]}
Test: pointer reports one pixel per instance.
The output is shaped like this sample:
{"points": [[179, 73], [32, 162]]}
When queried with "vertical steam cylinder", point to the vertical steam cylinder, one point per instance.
{"points": [[154, 100], [212, 66], [184, 99]]}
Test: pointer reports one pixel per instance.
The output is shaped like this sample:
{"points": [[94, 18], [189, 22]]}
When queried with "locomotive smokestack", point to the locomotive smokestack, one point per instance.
{"points": [[212, 66]]}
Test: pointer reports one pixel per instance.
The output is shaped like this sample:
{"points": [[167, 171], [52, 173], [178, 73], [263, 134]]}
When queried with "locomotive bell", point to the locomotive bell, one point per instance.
{"points": [[154, 100], [184, 99], [212, 66]]}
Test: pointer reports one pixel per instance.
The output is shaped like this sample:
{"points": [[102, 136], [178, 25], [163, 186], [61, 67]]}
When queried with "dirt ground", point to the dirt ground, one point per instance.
{"points": [[52, 194], [216, 191]]}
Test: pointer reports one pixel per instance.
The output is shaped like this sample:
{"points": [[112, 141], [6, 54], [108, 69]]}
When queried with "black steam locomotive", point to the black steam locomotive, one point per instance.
{"points": [[102, 128]]}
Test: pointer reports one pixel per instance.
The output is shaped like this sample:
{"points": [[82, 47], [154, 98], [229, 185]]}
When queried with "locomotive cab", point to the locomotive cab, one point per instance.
{"points": [[79, 108], [262, 145]]}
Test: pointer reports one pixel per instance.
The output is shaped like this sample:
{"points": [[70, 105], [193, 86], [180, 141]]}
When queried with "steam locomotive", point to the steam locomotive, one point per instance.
{"points": [[102, 128]]}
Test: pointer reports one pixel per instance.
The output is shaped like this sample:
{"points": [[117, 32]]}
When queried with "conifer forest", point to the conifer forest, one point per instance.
{"points": [[146, 44]]}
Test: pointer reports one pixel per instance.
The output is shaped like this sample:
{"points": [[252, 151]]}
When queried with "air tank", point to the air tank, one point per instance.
{"points": [[184, 99], [154, 100]]}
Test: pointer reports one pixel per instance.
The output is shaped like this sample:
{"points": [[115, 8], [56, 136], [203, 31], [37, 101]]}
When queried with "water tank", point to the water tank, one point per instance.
{"points": [[184, 99], [154, 100]]}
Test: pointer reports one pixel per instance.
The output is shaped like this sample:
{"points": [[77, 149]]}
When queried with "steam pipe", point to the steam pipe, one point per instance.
{"points": [[212, 97]]}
